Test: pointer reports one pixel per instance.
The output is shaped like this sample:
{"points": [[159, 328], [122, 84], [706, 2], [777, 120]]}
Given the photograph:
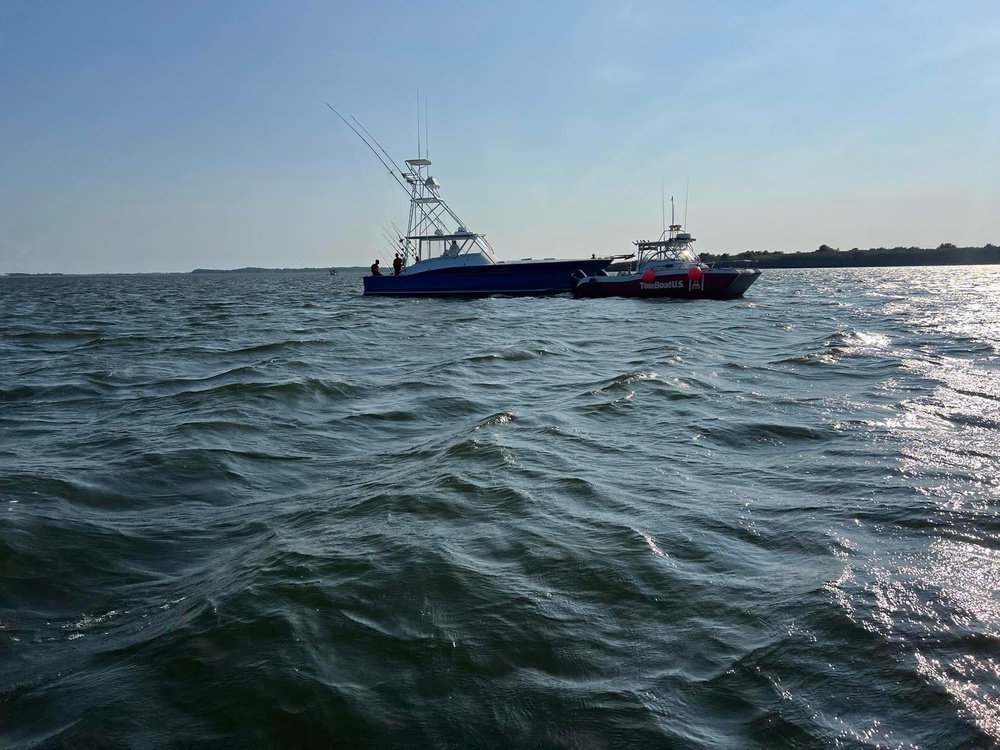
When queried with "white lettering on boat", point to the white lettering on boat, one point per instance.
{"points": [[679, 284]]}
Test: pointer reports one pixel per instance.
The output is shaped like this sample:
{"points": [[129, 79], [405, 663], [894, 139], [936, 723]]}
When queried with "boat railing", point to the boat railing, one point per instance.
{"points": [[725, 264]]}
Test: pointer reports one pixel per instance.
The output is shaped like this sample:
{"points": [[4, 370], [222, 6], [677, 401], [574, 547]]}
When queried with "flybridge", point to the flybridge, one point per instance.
{"points": [[434, 229], [459, 235]]}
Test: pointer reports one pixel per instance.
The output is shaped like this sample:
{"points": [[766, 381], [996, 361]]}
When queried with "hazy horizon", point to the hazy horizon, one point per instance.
{"points": [[141, 138]]}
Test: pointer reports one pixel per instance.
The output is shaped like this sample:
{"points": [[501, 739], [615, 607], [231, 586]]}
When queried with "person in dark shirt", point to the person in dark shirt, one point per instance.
{"points": [[376, 271], [397, 265]]}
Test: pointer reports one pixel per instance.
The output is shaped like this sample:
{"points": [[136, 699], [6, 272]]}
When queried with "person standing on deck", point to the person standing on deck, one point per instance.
{"points": [[397, 265], [376, 271]]}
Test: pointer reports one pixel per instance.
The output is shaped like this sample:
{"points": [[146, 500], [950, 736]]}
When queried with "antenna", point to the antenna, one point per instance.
{"points": [[672, 222], [663, 209], [418, 123], [427, 138], [686, 188]]}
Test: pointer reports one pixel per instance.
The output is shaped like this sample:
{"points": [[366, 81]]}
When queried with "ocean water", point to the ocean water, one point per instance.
{"points": [[263, 511]]}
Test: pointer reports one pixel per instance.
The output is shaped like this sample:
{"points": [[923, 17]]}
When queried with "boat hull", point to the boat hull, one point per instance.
{"points": [[514, 278], [713, 284]]}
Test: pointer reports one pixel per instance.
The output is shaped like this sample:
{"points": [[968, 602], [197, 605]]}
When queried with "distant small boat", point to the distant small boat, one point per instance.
{"points": [[669, 267], [333, 271]]}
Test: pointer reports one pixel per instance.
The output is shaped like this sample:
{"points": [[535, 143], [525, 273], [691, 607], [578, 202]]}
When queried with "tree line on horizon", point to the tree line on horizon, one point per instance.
{"points": [[825, 256]]}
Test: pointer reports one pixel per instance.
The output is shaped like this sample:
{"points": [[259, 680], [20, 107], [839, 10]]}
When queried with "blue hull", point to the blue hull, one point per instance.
{"points": [[522, 277]]}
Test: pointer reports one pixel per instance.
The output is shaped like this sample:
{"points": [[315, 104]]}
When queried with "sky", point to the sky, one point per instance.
{"points": [[151, 136]]}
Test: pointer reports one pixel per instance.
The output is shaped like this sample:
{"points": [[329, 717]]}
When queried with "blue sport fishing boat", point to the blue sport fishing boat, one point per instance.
{"points": [[440, 257]]}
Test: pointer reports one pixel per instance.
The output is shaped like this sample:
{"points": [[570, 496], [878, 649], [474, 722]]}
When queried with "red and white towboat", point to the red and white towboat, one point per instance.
{"points": [[669, 267]]}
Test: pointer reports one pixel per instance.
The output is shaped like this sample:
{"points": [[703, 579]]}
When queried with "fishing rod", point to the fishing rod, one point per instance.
{"points": [[381, 252], [399, 244], [399, 232], [387, 235], [404, 246], [388, 238]]}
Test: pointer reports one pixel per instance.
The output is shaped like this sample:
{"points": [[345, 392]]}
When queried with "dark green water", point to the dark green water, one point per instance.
{"points": [[261, 511]]}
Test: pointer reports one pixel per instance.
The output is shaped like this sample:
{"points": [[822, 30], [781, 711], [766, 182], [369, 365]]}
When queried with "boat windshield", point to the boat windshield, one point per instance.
{"points": [[444, 245], [664, 252]]}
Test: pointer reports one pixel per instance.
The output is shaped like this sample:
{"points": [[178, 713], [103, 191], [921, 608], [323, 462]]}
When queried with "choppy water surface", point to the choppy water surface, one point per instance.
{"points": [[253, 511]]}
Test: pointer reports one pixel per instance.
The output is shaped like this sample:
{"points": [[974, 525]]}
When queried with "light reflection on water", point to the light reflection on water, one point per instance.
{"points": [[940, 602], [966, 578]]}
